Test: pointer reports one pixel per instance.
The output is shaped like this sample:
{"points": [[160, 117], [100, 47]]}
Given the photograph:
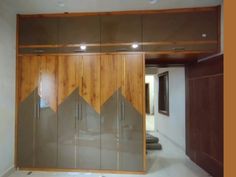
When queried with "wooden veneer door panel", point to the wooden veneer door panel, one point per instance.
{"points": [[132, 129], [122, 112], [28, 89], [46, 121], [69, 80], [88, 124], [110, 111]]}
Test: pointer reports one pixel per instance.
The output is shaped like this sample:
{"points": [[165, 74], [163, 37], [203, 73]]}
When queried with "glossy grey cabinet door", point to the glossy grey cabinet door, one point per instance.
{"points": [[88, 137], [67, 115], [38, 31], [110, 127], [46, 124], [26, 131], [130, 138]]}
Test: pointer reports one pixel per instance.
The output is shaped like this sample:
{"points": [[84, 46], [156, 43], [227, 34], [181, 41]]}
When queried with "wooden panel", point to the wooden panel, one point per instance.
{"points": [[48, 80], [29, 75], [204, 121], [133, 80], [121, 28], [69, 76], [91, 80], [111, 75]]}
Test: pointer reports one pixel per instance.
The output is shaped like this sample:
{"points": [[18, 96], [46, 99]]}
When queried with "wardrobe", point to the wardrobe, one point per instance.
{"points": [[81, 111], [83, 108]]}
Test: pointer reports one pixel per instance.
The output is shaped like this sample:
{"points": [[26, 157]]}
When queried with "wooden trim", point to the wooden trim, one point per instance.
{"points": [[113, 53], [82, 54], [16, 91], [144, 119], [139, 12], [81, 170], [121, 44]]}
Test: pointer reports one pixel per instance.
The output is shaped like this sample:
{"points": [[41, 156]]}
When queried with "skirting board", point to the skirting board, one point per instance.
{"points": [[8, 172]]}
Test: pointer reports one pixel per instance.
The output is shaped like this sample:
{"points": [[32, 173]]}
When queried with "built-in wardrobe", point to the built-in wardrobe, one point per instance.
{"points": [[81, 112], [83, 108]]}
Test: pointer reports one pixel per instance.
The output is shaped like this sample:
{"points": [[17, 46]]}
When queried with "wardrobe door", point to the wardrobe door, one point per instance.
{"points": [[88, 132], [28, 89], [110, 117], [132, 129], [68, 109], [46, 123]]}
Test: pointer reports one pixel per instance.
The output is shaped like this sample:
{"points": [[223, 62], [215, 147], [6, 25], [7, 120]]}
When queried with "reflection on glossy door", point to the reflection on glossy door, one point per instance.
{"points": [[46, 124]]}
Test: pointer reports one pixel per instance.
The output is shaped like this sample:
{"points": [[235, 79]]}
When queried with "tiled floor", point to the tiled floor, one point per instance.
{"points": [[170, 162]]}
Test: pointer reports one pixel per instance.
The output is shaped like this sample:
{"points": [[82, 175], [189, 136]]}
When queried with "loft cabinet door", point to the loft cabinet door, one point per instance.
{"points": [[88, 131], [46, 123], [111, 68], [79, 30], [69, 79], [131, 137], [180, 26], [120, 29], [28, 91], [38, 31]]}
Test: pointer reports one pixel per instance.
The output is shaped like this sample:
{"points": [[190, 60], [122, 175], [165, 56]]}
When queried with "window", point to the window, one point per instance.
{"points": [[163, 96]]}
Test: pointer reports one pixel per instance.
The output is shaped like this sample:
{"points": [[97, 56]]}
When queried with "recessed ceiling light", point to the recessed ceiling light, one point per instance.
{"points": [[134, 45], [83, 47]]}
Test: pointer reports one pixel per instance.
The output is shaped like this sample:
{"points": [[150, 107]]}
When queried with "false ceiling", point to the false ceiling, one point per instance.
{"points": [[60, 6]]}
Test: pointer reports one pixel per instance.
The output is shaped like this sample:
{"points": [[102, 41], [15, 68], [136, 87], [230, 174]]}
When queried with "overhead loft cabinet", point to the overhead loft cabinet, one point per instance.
{"points": [[82, 108]]}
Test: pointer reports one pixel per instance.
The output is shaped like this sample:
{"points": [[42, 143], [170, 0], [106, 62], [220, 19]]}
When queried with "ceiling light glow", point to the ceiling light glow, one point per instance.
{"points": [[135, 46], [83, 47]]}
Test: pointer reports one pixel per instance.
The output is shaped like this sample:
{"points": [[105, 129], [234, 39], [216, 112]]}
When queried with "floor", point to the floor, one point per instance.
{"points": [[170, 162], [149, 122]]}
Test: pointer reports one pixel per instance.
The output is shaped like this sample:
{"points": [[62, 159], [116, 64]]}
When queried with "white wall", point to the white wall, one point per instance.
{"points": [[173, 126], [7, 88], [150, 80]]}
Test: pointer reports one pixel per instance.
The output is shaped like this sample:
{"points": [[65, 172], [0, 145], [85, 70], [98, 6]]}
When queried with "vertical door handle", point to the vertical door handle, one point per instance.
{"points": [[80, 107], [38, 109], [122, 110]]}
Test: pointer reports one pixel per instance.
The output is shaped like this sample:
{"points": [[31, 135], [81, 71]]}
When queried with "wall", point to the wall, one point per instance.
{"points": [[7, 88], [173, 126], [150, 80]]}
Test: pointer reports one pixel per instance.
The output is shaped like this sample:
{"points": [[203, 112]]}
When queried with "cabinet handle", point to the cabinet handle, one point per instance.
{"points": [[123, 110], [38, 109], [81, 116]]}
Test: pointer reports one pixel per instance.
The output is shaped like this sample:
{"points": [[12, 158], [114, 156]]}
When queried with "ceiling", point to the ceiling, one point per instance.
{"points": [[60, 6]]}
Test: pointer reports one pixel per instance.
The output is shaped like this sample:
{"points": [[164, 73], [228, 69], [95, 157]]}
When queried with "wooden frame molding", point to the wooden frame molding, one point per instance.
{"points": [[67, 14], [122, 44]]}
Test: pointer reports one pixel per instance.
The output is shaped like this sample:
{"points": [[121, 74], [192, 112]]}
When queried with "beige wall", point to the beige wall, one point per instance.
{"points": [[7, 88]]}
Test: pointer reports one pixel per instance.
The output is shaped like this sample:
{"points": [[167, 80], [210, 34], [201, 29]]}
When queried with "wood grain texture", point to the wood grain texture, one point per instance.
{"points": [[133, 75], [110, 75], [28, 75], [69, 75], [48, 80], [91, 80], [204, 114]]}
